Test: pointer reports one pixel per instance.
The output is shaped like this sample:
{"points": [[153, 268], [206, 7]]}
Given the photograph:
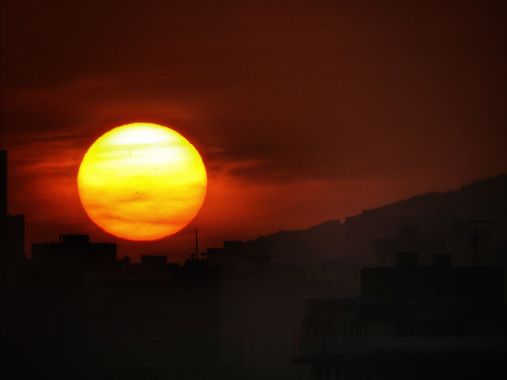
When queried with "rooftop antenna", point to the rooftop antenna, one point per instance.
{"points": [[475, 235]]}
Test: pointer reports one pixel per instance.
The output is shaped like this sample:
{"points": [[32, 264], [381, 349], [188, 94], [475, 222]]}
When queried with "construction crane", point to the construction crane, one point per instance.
{"points": [[475, 236]]}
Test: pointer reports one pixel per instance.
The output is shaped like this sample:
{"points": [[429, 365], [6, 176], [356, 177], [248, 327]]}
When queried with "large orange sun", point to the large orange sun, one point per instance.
{"points": [[142, 181]]}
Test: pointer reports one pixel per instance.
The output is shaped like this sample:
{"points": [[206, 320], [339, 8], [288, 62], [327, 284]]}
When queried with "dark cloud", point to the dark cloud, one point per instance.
{"points": [[272, 93]]}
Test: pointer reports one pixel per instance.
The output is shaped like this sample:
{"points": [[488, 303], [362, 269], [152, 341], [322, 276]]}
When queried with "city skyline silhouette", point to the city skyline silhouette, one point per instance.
{"points": [[253, 190], [280, 306]]}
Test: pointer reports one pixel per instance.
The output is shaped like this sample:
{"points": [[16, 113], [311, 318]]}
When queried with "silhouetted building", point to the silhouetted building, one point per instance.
{"points": [[12, 246], [12, 232], [411, 321], [262, 305], [74, 250], [157, 326], [44, 326], [78, 313], [409, 239], [437, 283], [3, 183], [233, 256]]}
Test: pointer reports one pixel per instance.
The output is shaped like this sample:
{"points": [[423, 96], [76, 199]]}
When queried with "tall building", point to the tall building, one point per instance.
{"points": [[3, 183], [12, 231]]}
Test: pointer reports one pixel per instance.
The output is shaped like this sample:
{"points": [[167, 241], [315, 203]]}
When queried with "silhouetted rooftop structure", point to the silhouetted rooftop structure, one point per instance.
{"points": [[74, 239], [74, 249]]}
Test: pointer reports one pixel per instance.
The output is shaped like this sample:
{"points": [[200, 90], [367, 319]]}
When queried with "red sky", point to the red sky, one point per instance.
{"points": [[303, 111]]}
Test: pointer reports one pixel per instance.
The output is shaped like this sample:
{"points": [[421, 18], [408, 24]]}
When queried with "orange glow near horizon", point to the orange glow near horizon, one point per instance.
{"points": [[142, 182]]}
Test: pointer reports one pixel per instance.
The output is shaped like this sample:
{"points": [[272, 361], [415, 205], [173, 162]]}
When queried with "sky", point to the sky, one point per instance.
{"points": [[303, 111]]}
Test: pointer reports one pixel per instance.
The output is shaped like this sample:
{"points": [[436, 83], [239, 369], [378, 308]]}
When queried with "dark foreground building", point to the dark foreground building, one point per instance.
{"points": [[12, 232], [77, 313], [74, 250], [411, 322]]}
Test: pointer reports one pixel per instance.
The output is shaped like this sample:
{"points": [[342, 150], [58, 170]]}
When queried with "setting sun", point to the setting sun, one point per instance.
{"points": [[142, 181]]}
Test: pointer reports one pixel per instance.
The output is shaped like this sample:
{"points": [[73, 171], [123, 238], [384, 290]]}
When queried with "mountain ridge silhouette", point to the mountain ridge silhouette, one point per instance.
{"points": [[432, 212]]}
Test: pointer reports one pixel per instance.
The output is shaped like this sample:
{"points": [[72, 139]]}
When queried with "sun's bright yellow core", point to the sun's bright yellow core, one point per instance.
{"points": [[142, 181]]}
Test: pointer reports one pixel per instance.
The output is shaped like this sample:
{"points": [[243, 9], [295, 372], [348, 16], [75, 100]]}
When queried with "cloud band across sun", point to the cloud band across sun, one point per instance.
{"points": [[142, 181]]}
